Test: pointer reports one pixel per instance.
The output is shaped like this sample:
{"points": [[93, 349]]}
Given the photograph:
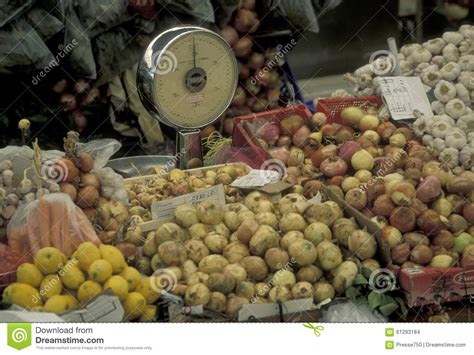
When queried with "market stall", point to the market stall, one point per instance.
{"points": [[354, 208]]}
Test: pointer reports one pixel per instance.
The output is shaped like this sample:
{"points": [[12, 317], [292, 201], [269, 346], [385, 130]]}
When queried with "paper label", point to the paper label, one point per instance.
{"points": [[165, 209], [257, 178], [403, 95]]}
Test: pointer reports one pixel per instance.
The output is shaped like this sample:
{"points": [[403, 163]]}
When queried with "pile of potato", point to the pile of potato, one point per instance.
{"points": [[255, 252]]}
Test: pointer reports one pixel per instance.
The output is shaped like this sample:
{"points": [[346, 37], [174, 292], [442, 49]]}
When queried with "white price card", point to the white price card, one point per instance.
{"points": [[165, 209], [403, 95], [257, 178]]}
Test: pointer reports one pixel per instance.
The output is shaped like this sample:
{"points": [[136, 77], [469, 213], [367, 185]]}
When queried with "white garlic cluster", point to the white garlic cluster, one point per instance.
{"points": [[448, 60], [112, 186]]}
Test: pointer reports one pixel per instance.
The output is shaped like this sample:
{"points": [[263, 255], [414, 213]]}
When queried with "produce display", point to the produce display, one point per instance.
{"points": [[54, 283], [446, 65], [256, 252]]}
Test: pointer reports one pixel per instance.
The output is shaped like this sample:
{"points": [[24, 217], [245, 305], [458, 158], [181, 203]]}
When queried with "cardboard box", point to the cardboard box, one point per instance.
{"points": [[435, 286]]}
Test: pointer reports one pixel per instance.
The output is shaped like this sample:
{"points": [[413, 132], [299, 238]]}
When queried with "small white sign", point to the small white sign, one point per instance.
{"points": [[165, 209], [403, 95], [257, 178]]}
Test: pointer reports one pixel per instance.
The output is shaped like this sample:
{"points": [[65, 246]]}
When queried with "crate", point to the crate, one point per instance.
{"points": [[242, 139], [333, 107], [436, 286]]}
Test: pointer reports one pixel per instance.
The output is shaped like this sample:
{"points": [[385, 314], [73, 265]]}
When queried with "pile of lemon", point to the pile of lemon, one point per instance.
{"points": [[55, 284]]}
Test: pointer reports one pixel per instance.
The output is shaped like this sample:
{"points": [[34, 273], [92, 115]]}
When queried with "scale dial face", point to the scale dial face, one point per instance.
{"points": [[195, 79]]}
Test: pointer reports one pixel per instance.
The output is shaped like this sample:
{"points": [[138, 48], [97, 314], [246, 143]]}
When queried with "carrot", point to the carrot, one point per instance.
{"points": [[56, 210], [44, 223], [68, 247], [18, 240], [34, 238], [87, 231]]}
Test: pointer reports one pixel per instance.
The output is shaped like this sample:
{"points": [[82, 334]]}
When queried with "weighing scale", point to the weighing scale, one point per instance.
{"points": [[187, 79]]}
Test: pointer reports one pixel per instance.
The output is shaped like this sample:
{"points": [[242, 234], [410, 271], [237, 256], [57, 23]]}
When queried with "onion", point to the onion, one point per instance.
{"points": [[60, 86], [318, 119], [415, 163], [300, 137], [348, 149], [402, 193], [367, 213], [390, 180], [385, 130], [392, 236], [363, 175], [400, 253], [413, 175], [444, 239], [362, 160], [323, 153], [398, 140], [88, 196], [383, 205], [280, 153], [333, 166], [403, 218], [362, 244], [81, 86], [336, 180], [418, 207], [372, 136], [468, 212], [239, 97], [413, 239], [420, 152], [430, 222], [434, 168], [442, 206], [328, 130], [375, 188], [356, 198], [342, 229], [289, 125], [349, 183], [84, 162], [256, 61], [421, 254], [407, 132], [243, 47], [368, 122], [69, 102], [245, 20], [442, 261], [296, 157], [311, 188], [269, 133], [344, 134], [457, 223], [90, 179], [365, 142], [244, 72], [284, 141], [351, 116], [457, 202], [462, 184], [69, 189]]}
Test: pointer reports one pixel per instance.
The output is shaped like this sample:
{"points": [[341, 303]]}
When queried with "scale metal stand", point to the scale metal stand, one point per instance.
{"points": [[187, 79]]}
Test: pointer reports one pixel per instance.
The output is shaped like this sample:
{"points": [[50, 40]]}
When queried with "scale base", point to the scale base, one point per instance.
{"points": [[189, 149]]}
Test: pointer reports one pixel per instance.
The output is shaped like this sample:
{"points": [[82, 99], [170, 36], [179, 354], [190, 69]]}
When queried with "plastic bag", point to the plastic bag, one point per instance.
{"points": [[101, 149], [349, 312], [52, 221]]}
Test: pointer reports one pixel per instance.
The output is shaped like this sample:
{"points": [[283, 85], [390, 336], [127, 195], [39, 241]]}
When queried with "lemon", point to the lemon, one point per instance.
{"points": [[148, 287], [118, 285], [71, 302], [114, 257], [88, 290], [71, 276], [86, 254], [49, 260], [50, 286], [29, 274], [100, 270], [22, 295], [134, 305], [132, 276], [149, 314], [56, 304]]}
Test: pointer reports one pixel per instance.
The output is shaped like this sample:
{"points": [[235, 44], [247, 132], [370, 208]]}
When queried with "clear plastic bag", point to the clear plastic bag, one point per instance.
{"points": [[101, 149], [52, 221], [349, 312]]}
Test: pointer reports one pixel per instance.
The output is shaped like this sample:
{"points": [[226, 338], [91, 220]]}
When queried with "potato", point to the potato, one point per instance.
{"points": [[264, 238], [212, 263], [196, 250], [172, 253], [215, 242], [255, 266], [235, 251]]}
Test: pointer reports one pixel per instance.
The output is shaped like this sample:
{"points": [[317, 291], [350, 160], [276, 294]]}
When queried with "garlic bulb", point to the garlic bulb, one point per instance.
{"points": [[455, 108], [455, 138], [449, 156], [466, 157]]}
